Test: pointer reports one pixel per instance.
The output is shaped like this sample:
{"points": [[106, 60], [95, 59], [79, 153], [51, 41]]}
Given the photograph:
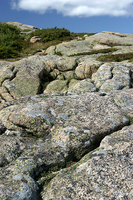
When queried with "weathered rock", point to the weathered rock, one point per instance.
{"points": [[111, 39], [3, 63], [35, 39], [82, 87], [26, 77], [56, 86], [50, 50], [69, 75], [72, 83], [69, 127], [85, 69], [17, 78], [23, 26], [124, 101], [98, 41], [112, 76], [5, 96], [55, 73], [100, 46], [23, 78], [69, 48], [65, 64], [42, 133], [41, 115], [105, 173], [114, 33]]}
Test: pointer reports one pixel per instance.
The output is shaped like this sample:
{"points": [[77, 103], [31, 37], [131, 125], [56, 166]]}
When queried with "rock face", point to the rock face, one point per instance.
{"points": [[104, 40], [66, 124], [38, 74], [23, 26], [99, 173], [35, 39]]}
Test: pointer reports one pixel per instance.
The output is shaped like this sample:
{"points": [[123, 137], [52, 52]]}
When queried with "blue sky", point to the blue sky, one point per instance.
{"points": [[74, 15]]}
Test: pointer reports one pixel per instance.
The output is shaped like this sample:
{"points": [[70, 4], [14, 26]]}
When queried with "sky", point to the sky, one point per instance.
{"points": [[79, 16]]}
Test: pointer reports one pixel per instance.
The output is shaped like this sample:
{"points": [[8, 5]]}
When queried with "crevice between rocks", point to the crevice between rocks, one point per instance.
{"points": [[45, 79], [14, 75], [95, 144], [10, 78], [2, 97], [9, 92], [131, 80]]}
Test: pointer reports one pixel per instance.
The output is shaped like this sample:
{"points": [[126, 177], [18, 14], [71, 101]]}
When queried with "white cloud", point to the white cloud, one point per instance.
{"points": [[83, 8]]}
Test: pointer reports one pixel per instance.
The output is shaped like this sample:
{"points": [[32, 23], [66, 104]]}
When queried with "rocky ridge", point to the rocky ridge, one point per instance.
{"points": [[66, 123], [23, 27]]}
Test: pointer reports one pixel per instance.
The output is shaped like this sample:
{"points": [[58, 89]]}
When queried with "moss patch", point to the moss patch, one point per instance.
{"points": [[46, 176], [58, 53], [95, 52], [116, 57], [130, 118]]}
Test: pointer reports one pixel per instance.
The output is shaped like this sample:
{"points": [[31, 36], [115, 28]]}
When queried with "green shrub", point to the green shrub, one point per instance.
{"points": [[26, 30], [11, 42], [15, 44], [74, 35], [51, 34], [58, 53]]}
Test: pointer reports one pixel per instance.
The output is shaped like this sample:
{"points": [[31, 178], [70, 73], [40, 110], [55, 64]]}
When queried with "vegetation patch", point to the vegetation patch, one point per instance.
{"points": [[130, 119], [80, 35], [46, 176], [116, 57], [95, 52], [131, 79], [11, 42], [57, 34], [58, 53], [26, 30], [112, 43], [14, 44], [51, 34]]}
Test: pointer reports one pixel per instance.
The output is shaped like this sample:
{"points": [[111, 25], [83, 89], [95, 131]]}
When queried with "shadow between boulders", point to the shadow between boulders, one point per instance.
{"points": [[45, 79], [72, 159]]}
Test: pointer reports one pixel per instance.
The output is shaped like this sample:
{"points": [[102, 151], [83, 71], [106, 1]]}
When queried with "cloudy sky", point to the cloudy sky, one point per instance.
{"points": [[75, 15]]}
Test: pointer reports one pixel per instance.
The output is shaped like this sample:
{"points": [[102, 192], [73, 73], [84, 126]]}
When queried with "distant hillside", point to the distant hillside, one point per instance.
{"points": [[15, 39]]}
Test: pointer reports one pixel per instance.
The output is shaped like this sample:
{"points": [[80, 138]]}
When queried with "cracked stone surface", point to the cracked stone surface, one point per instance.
{"points": [[104, 40], [26, 77], [105, 173], [112, 76], [38, 74], [66, 124], [58, 129]]}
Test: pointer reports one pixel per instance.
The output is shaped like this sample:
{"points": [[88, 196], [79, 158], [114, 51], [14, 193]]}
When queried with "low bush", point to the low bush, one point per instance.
{"points": [[57, 34], [51, 34], [14, 44], [11, 42]]}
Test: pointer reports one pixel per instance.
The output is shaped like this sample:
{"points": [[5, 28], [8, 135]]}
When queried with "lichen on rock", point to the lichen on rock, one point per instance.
{"points": [[66, 123]]}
